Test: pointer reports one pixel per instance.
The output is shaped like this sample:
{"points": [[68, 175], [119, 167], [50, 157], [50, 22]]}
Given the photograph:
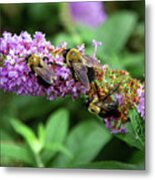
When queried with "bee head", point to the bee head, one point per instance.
{"points": [[27, 58], [65, 52]]}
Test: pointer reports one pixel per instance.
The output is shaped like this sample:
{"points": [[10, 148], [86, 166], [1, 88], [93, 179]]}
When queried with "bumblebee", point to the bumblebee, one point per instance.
{"points": [[45, 74], [104, 108], [82, 66]]}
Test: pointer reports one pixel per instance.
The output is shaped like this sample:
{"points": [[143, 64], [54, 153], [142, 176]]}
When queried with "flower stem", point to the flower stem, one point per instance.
{"points": [[38, 160]]}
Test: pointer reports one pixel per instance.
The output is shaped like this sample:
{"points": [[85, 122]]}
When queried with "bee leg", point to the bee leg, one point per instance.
{"points": [[93, 106], [30, 73], [74, 75], [111, 92], [45, 58], [52, 63]]}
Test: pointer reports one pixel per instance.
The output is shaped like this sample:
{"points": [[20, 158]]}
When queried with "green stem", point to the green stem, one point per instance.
{"points": [[38, 160]]}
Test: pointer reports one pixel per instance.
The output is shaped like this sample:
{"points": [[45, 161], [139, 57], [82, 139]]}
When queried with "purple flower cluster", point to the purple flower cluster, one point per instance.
{"points": [[15, 76], [14, 72], [89, 13], [141, 105]]}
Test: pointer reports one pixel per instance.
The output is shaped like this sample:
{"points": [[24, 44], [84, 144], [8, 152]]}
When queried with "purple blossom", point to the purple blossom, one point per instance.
{"points": [[89, 13], [109, 122], [121, 130], [141, 105], [119, 99], [14, 72], [81, 48]]}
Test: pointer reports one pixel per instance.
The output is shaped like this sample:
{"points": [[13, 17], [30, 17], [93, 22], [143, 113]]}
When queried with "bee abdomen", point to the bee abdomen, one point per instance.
{"points": [[111, 113], [42, 82]]}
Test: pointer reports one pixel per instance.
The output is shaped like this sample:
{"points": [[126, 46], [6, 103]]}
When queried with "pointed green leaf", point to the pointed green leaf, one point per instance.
{"points": [[138, 125], [57, 126], [84, 142], [27, 134], [56, 131], [130, 137], [41, 134]]}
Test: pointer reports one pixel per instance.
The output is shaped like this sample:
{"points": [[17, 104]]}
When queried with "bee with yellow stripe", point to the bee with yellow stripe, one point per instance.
{"points": [[82, 66], [105, 107], [40, 68]]}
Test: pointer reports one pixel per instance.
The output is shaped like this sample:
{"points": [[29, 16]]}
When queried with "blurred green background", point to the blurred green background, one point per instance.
{"points": [[41, 133]]}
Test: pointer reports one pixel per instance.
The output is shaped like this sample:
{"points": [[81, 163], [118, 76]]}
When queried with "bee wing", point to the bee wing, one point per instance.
{"points": [[81, 73], [90, 62], [46, 73]]}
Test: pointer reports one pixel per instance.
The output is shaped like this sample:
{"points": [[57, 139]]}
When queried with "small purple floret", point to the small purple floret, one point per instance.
{"points": [[119, 99]]}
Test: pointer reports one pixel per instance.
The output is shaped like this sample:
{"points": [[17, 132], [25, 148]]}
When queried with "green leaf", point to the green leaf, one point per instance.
{"points": [[115, 32], [86, 33], [110, 165], [17, 153], [5, 136], [41, 134], [57, 147], [31, 107], [56, 131], [27, 134], [137, 157], [84, 142], [138, 126], [57, 126], [135, 135], [130, 61], [130, 137]]}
